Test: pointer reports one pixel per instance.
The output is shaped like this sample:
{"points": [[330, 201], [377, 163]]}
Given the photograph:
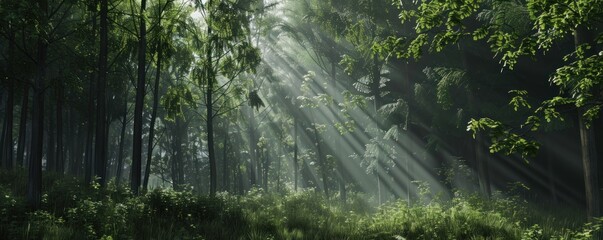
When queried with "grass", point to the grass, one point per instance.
{"points": [[73, 211]]}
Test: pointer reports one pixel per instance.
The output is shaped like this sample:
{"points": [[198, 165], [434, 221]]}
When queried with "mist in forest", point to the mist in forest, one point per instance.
{"points": [[301, 119]]}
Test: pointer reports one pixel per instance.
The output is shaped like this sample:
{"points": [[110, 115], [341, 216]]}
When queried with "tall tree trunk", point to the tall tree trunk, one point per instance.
{"points": [[89, 151], [88, 166], [209, 116], [341, 177], [34, 184], [295, 153], [122, 135], [150, 146], [239, 175], [178, 156], [589, 164], [321, 159], [226, 165], [197, 161], [8, 144], [75, 167], [479, 146], [101, 141], [210, 139], [51, 148], [266, 168], [582, 35], [60, 158], [340, 166], [140, 92], [252, 148], [278, 173], [23, 125]]}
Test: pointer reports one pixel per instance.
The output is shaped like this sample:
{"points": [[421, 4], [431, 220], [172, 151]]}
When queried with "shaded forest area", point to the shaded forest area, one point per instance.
{"points": [[301, 119]]}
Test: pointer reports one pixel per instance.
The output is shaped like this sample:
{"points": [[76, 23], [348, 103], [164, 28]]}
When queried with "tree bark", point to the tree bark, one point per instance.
{"points": [[75, 167], [588, 142], [226, 165], [23, 125], [178, 156], [140, 92], [295, 153], [51, 148], [150, 146], [100, 159], [122, 135], [34, 184], [60, 158], [209, 118], [478, 149], [321, 159], [340, 166], [589, 163], [88, 166], [252, 148], [8, 144], [482, 165], [266, 168]]}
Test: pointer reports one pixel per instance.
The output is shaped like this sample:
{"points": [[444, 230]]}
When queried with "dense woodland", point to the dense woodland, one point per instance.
{"points": [[301, 119]]}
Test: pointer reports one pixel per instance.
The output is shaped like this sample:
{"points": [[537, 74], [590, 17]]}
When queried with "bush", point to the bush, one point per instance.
{"points": [[74, 211], [12, 213]]}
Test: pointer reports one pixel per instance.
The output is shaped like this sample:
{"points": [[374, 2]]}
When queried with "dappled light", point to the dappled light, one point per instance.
{"points": [[301, 119]]}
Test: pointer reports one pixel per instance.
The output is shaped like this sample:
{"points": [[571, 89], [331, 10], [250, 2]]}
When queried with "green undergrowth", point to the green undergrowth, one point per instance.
{"points": [[73, 211]]}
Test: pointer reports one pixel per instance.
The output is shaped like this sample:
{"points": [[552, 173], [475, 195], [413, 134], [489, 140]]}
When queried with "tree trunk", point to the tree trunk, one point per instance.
{"points": [[482, 165], [342, 190], [122, 135], [252, 148], [321, 159], [150, 146], [60, 158], [589, 163], [178, 156], [100, 160], [209, 116], [379, 189], [588, 142], [23, 125], [140, 92], [266, 168], [51, 148], [226, 165], [295, 153], [8, 144], [88, 166], [76, 159], [278, 173], [34, 184], [340, 166], [7, 134]]}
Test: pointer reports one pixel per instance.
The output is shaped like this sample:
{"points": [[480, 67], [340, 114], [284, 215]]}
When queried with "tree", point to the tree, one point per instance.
{"points": [[227, 53], [34, 183], [442, 23], [135, 179], [159, 49], [100, 166]]}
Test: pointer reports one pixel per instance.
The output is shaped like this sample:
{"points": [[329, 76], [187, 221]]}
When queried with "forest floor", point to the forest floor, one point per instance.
{"points": [[73, 211]]}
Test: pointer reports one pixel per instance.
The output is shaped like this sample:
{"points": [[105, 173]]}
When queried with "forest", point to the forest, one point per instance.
{"points": [[301, 119]]}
